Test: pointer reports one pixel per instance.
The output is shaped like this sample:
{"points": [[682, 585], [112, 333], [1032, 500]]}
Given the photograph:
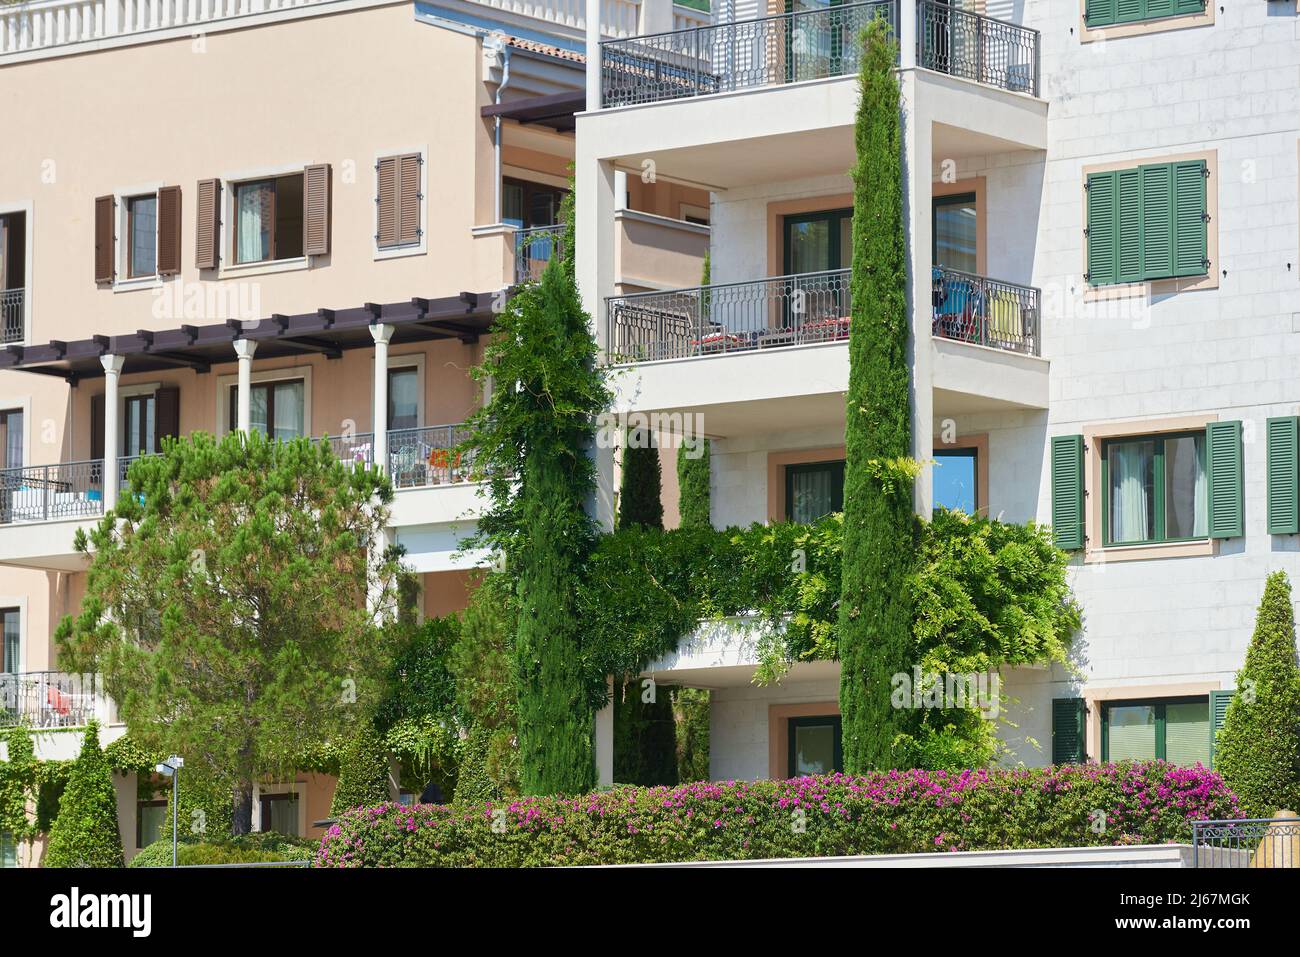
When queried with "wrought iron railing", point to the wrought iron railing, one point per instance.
{"points": [[1251, 842], [729, 317], [358, 447], [428, 456], [534, 248], [42, 493], [51, 699], [12, 326], [722, 57], [976, 47], [987, 312]]}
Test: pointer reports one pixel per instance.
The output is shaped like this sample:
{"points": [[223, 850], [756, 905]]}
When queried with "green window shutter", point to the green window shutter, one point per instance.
{"points": [[1067, 491], [1069, 731], [1190, 231], [1189, 6], [1218, 711], [1158, 8], [1283, 481], [1223, 445], [1128, 226], [1100, 12], [1157, 216], [1102, 189], [1126, 11]]}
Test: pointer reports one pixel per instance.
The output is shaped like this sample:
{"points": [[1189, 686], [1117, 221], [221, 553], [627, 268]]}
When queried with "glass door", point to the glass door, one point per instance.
{"points": [[815, 44], [818, 243], [815, 746]]}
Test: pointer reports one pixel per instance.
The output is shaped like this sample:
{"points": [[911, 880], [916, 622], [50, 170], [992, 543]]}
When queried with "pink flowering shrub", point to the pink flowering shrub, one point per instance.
{"points": [[891, 812]]}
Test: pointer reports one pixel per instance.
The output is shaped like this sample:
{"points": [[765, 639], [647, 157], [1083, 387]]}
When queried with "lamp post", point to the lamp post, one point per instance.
{"points": [[171, 768]]}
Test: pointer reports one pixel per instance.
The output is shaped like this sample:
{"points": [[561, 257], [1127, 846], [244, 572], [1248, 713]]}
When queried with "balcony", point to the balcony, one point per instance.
{"points": [[533, 250], [986, 312], [53, 699], [811, 45], [12, 303], [52, 493]]}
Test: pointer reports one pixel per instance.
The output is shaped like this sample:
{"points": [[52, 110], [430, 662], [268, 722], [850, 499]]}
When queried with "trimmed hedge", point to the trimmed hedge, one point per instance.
{"points": [[247, 849], [889, 812]]}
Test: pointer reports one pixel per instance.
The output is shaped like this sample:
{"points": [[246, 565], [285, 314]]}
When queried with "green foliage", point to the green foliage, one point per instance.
{"points": [[19, 784], [1258, 747], [531, 442], [645, 735], [363, 772], [207, 805], [489, 767], [883, 813], [227, 603], [85, 832], [640, 500], [693, 473], [51, 782], [879, 526], [691, 712], [253, 848]]}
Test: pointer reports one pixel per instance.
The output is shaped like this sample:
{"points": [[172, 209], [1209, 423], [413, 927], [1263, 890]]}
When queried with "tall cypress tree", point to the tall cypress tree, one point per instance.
{"points": [[532, 442], [693, 504], [879, 525], [640, 499]]}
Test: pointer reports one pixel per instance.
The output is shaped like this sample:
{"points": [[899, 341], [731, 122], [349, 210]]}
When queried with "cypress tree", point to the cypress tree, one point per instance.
{"points": [[645, 735], [879, 524], [363, 772], [85, 832], [1258, 747], [640, 499], [693, 487]]}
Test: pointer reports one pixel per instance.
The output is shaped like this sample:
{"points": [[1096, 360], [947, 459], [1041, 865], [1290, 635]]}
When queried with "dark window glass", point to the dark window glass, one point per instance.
{"points": [[815, 745], [404, 398], [955, 235], [142, 235], [813, 490]]}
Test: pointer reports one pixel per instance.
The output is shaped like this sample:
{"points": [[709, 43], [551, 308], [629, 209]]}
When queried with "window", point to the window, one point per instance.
{"points": [[1156, 489], [8, 850], [1173, 729], [404, 398], [815, 745], [956, 480], [11, 438], [525, 205], [813, 489], [699, 215], [280, 813], [268, 219], [276, 409], [815, 242], [954, 232], [10, 630], [150, 819], [1106, 12], [13, 276], [142, 236], [138, 425], [1148, 222]]}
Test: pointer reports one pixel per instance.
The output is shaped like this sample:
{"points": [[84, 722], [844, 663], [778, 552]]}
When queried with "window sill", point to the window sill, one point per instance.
{"points": [[139, 282], [399, 252], [1130, 553], [265, 267], [1151, 287], [1133, 28]]}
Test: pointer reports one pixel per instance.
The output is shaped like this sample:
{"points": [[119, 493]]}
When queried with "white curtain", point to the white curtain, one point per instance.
{"points": [[289, 419], [1201, 494], [253, 235], [1130, 466]]}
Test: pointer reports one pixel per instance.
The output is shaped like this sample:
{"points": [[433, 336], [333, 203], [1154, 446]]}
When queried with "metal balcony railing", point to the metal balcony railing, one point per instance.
{"points": [[11, 315], [976, 47], [358, 447], [43, 493], [987, 312], [534, 248], [428, 456], [1250, 842], [52, 699], [722, 57], [728, 317]]}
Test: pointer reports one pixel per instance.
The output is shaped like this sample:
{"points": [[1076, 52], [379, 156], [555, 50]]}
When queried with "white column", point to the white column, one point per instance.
{"points": [[917, 164], [382, 333], [656, 17], [908, 29], [605, 740], [112, 369], [593, 54], [244, 349]]}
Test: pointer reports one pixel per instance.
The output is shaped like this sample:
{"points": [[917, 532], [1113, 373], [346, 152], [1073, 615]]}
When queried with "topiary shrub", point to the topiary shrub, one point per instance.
{"points": [[640, 500], [363, 772], [1258, 748], [85, 832], [891, 812], [691, 711], [693, 474], [645, 734], [260, 847]]}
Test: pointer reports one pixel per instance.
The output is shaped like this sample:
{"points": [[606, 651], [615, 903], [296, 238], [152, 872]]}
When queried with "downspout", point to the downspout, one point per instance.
{"points": [[505, 82]]}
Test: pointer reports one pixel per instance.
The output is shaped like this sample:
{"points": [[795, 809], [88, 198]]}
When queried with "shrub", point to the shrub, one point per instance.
{"points": [[1258, 748], [645, 734], [363, 771], [640, 500], [245, 849], [888, 812], [85, 832], [694, 505]]}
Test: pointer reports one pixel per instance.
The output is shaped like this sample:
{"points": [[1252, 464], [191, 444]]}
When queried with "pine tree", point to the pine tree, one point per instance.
{"points": [[85, 832], [640, 500], [693, 473], [1258, 748], [879, 524]]}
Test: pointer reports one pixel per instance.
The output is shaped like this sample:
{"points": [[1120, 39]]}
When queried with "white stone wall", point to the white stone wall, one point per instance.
{"points": [[739, 469], [738, 724]]}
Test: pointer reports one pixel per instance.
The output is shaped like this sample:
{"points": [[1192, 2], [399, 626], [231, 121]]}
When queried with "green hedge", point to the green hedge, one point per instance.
{"points": [[248, 849], [881, 813]]}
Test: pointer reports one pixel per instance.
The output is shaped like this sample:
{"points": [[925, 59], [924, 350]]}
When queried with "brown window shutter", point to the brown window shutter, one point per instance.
{"points": [[409, 212], [207, 216], [386, 203], [105, 231], [97, 426], [169, 231], [316, 210], [166, 415]]}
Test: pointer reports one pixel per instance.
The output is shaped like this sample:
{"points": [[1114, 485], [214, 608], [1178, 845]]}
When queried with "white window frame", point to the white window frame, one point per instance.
{"points": [[24, 404], [409, 249], [404, 361], [28, 254], [230, 230], [231, 381], [121, 280], [296, 788], [127, 392], [19, 602]]}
